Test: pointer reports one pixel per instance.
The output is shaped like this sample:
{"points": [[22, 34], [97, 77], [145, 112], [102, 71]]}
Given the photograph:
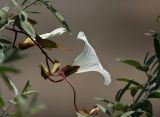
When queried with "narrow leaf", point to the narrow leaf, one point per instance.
{"points": [[155, 94], [121, 92], [157, 48], [134, 63], [2, 103]]}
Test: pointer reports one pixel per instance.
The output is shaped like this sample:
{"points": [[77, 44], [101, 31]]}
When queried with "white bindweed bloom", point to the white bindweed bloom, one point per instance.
{"points": [[55, 33], [88, 60]]}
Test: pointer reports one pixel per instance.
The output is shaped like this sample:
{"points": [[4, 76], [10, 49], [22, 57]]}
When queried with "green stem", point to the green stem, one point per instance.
{"points": [[28, 5]]}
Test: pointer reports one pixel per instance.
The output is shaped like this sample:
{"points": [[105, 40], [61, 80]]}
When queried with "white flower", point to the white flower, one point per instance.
{"points": [[55, 33], [88, 60]]}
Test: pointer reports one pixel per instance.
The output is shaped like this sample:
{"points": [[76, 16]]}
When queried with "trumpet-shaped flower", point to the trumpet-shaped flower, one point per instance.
{"points": [[55, 33], [88, 60]]}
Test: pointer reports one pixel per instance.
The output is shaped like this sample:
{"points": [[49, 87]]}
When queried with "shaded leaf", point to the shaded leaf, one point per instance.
{"points": [[2, 103], [155, 94], [146, 57], [69, 70], [144, 105], [150, 60], [121, 92], [8, 69], [134, 63], [4, 41], [134, 91], [157, 47], [49, 44], [12, 54]]}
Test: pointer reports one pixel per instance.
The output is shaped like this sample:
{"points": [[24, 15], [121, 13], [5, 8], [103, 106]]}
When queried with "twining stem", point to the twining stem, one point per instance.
{"points": [[47, 62], [74, 92]]}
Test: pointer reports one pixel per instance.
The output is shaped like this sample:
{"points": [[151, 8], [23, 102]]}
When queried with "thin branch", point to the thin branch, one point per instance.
{"points": [[74, 92]]}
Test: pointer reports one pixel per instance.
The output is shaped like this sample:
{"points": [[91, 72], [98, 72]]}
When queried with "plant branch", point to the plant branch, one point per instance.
{"points": [[74, 92]]}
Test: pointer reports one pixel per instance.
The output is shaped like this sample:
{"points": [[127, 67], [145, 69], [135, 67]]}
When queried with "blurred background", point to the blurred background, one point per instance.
{"points": [[114, 28]]}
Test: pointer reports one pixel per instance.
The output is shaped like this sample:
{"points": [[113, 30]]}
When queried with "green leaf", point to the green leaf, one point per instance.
{"points": [[146, 57], [10, 84], [127, 114], [8, 69], [134, 91], [26, 91], [23, 23], [12, 54], [157, 47], [2, 104], [121, 92], [104, 109], [134, 63], [158, 19], [128, 80], [150, 60], [144, 105], [26, 87], [120, 107], [57, 14], [3, 18], [154, 94], [2, 56]]}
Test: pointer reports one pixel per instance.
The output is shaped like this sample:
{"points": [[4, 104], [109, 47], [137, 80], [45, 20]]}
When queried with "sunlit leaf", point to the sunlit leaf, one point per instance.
{"points": [[104, 109], [44, 71], [55, 67], [127, 114], [27, 43], [23, 23]]}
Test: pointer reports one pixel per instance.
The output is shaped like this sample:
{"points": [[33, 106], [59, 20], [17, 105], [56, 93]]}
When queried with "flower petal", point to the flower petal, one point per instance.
{"points": [[55, 33], [88, 60]]}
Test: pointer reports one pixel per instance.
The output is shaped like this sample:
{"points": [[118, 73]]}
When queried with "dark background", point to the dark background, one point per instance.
{"points": [[115, 28]]}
